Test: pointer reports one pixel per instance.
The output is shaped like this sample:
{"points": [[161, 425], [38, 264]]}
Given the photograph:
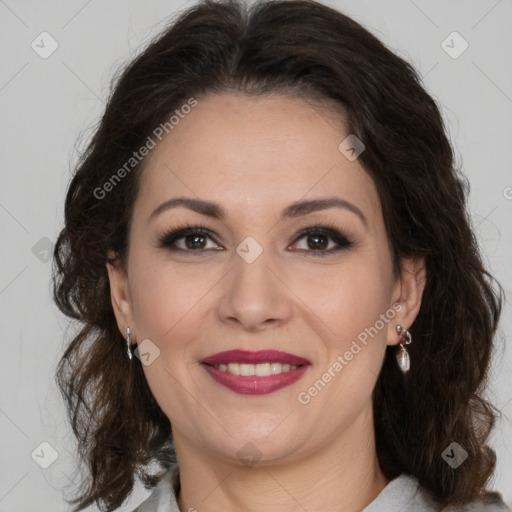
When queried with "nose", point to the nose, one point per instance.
{"points": [[254, 294]]}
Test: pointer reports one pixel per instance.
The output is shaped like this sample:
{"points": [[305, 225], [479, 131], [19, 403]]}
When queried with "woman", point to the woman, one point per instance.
{"points": [[268, 217]]}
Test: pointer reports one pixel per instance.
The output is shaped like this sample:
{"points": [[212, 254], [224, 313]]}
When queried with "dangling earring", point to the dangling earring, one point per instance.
{"points": [[402, 356], [130, 355]]}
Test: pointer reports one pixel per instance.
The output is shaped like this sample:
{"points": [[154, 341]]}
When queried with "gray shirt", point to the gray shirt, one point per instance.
{"points": [[403, 494]]}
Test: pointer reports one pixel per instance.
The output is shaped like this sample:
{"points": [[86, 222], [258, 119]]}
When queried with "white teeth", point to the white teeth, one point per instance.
{"points": [[233, 368], [246, 369], [260, 370], [275, 368]]}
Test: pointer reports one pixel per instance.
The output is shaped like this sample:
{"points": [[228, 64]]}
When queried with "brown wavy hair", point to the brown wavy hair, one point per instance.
{"points": [[306, 49]]}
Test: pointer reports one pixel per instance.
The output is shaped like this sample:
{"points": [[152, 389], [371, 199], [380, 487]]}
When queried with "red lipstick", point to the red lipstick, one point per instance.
{"points": [[287, 369], [262, 356]]}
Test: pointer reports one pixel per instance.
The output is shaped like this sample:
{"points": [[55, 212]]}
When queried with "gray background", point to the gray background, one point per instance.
{"points": [[48, 108]]}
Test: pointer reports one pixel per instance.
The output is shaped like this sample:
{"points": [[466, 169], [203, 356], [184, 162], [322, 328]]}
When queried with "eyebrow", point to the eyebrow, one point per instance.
{"points": [[297, 209]]}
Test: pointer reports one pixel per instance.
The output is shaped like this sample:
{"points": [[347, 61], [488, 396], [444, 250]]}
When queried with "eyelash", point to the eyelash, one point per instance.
{"points": [[327, 229]]}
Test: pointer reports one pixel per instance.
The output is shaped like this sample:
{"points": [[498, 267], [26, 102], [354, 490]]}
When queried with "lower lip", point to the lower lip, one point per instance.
{"points": [[255, 385]]}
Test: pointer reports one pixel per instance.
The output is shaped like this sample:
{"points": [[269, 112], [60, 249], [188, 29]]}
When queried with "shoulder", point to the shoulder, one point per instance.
{"points": [[492, 502], [405, 494], [162, 497]]}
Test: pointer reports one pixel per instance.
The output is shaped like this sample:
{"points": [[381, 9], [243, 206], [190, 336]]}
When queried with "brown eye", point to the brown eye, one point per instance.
{"points": [[322, 241], [194, 241], [191, 239], [317, 242]]}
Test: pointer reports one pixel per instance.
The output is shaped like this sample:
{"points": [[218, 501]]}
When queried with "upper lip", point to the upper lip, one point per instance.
{"points": [[248, 357]]}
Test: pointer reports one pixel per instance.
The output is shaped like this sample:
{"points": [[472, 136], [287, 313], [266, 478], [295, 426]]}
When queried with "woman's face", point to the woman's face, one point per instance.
{"points": [[253, 282]]}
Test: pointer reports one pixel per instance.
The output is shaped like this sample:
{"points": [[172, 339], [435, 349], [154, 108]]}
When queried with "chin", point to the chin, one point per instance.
{"points": [[252, 446]]}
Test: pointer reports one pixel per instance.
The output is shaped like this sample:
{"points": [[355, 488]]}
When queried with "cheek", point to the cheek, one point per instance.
{"points": [[349, 303], [166, 307], [347, 298], [164, 295]]}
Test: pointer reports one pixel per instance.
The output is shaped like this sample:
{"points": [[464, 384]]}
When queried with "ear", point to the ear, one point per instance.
{"points": [[407, 295], [119, 294]]}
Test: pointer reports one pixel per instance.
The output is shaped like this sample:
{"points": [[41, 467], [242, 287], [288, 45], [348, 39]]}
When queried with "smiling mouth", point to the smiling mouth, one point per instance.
{"points": [[255, 373], [259, 370]]}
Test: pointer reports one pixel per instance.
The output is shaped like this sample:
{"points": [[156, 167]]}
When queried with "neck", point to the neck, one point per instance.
{"points": [[343, 476]]}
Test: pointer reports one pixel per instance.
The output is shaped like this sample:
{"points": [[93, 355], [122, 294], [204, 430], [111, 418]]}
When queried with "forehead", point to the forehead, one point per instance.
{"points": [[261, 152]]}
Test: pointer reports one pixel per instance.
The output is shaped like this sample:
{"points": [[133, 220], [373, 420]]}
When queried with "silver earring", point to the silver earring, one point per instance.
{"points": [[130, 355], [402, 356]]}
